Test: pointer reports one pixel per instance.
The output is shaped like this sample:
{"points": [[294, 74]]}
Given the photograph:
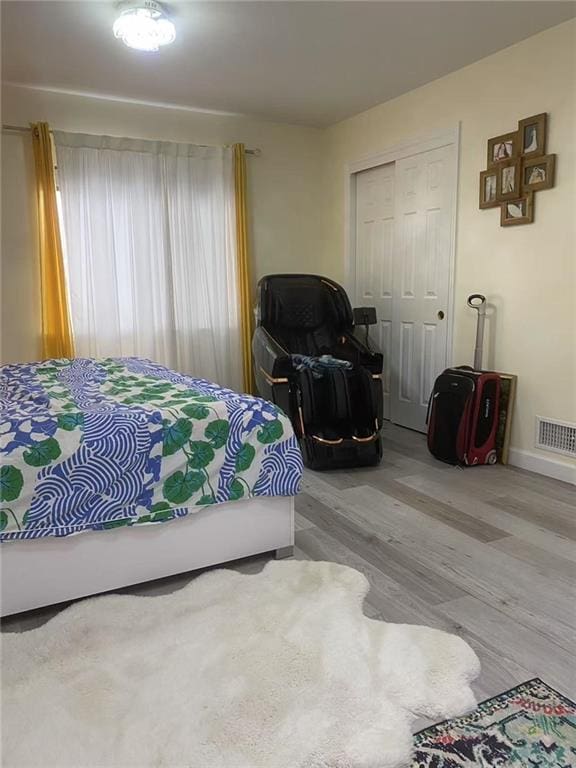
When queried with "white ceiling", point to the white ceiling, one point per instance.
{"points": [[302, 62]]}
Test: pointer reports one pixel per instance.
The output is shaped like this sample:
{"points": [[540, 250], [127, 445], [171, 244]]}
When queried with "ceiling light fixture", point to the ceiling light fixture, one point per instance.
{"points": [[144, 25]]}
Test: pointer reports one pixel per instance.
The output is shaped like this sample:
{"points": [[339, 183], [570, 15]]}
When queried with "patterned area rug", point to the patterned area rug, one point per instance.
{"points": [[530, 726]]}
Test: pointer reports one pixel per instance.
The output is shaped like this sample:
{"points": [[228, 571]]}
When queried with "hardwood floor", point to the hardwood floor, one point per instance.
{"points": [[487, 553]]}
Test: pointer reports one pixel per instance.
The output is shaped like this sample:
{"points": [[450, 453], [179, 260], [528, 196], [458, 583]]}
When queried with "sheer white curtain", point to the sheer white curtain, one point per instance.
{"points": [[150, 252]]}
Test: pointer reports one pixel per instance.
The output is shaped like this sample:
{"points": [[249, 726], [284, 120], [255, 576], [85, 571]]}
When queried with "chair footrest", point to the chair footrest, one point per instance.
{"points": [[354, 439], [342, 455]]}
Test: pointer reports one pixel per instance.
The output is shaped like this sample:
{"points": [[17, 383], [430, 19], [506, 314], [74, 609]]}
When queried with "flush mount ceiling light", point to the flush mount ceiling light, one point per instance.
{"points": [[144, 25]]}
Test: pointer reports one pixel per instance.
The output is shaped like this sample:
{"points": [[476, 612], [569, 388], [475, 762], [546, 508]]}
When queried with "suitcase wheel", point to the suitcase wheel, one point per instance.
{"points": [[492, 457]]}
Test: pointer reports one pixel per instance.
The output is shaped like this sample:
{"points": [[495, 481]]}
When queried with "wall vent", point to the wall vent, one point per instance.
{"points": [[554, 435]]}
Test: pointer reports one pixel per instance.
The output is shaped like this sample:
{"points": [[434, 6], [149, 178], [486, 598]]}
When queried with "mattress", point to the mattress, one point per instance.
{"points": [[97, 444]]}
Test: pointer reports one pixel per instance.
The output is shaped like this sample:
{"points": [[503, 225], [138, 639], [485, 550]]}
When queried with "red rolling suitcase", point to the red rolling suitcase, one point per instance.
{"points": [[463, 410]]}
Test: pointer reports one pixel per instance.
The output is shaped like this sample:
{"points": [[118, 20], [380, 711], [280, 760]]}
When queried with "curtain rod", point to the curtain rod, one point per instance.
{"points": [[24, 129]]}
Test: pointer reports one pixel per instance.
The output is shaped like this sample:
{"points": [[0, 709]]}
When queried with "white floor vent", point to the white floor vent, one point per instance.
{"points": [[553, 435]]}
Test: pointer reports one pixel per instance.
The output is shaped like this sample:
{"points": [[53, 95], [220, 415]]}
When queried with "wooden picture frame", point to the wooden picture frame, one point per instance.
{"points": [[519, 211], [519, 167], [503, 147], [508, 383], [538, 173], [509, 180], [489, 192], [532, 135]]}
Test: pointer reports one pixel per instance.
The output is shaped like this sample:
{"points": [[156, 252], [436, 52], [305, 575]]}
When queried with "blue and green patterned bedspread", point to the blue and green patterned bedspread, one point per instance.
{"points": [[96, 444]]}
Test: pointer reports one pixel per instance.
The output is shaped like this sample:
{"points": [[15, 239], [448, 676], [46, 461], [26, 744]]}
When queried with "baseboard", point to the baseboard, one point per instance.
{"points": [[559, 470]]}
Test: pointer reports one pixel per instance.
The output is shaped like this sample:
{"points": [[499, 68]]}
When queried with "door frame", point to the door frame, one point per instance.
{"points": [[411, 146]]}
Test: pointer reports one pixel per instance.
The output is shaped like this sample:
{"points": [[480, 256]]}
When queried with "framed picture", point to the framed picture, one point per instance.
{"points": [[510, 178], [519, 211], [489, 183], [532, 131], [538, 173], [502, 148]]}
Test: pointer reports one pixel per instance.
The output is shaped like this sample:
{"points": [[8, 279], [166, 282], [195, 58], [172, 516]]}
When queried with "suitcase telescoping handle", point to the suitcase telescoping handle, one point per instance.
{"points": [[478, 302]]}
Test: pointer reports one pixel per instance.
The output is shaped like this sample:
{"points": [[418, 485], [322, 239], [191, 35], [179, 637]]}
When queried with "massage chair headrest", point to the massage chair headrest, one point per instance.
{"points": [[303, 302]]}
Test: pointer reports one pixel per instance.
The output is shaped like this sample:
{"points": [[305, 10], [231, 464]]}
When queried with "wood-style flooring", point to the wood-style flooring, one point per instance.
{"points": [[488, 553]]}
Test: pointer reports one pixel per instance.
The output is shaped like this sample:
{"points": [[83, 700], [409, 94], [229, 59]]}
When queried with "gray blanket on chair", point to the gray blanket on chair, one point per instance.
{"points": [[318, 365]]}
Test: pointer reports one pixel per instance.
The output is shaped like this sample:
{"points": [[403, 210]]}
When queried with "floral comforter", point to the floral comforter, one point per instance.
{"points": [[96, 444]]}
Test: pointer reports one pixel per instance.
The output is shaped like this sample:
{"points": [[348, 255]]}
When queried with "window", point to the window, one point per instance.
{"points": [[150, 250]]}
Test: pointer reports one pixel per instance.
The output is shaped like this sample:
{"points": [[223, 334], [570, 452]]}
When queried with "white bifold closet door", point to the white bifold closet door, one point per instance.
{"points": [[374, 258], [404, 239]]}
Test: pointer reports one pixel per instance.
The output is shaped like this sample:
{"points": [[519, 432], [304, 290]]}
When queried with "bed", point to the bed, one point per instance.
{"points": [[118, 471]]}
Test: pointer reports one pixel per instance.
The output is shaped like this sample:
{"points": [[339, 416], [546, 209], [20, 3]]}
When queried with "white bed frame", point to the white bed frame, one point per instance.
{"points": [[51, 570]]}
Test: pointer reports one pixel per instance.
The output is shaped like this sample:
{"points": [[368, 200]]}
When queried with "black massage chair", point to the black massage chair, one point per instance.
{"points": [[336, 412]]}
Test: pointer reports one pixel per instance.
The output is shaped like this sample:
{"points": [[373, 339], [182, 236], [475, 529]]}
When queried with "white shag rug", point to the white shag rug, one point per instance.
{"points": [[275, 670]]}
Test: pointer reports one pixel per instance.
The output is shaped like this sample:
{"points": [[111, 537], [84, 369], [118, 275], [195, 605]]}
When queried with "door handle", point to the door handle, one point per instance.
{"points": [[440, 315]]}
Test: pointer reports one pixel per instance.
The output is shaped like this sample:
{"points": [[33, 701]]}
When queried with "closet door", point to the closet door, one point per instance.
{"points": [[424, 202], [374, 258]]}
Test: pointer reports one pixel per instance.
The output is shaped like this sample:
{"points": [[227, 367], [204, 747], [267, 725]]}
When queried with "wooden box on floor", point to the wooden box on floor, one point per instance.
{"points": [[508, 383]]}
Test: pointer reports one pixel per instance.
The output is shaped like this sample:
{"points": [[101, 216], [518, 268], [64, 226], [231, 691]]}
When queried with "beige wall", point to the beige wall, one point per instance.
{"points": [[528, 273], [284, 188], [20, 279]]}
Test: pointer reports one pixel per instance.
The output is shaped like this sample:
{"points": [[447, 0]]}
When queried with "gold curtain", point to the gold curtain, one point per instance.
{"points": [[56, 326], [244, 276]]}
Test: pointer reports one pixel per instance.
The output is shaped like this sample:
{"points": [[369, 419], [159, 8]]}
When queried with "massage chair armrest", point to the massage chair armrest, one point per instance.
{"points": [[272, 369], [369, 358], [269, 356]]}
